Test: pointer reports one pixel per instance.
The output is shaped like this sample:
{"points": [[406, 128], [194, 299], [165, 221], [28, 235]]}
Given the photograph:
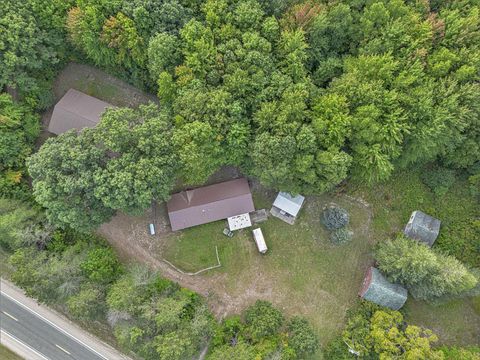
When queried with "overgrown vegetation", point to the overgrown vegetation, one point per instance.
{"points": [[263, 334], [373, 332], [148, 314]]}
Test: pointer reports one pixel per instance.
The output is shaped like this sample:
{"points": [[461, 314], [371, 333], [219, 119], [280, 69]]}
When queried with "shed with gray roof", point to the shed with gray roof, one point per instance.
{"points": [[286, 207], [76, 110], [377, 289], [422, 227], [209, 203]]}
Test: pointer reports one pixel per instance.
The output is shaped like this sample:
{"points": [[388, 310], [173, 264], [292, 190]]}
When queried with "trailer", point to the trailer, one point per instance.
{"points": [[260, 240]]}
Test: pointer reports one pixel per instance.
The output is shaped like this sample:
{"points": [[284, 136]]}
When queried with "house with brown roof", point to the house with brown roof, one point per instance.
{"points": [[76, 110], [209, 203]]}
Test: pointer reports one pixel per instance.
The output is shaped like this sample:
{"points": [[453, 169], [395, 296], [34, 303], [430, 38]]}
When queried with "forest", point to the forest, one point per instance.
{"points": [[304, 96]]}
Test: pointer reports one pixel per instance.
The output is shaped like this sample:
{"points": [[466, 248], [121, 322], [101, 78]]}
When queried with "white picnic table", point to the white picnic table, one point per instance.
{"points": [[238, 222]]}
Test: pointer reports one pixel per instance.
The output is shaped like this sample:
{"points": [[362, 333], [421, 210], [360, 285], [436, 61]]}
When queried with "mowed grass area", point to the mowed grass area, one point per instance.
{"points": [[456, 322], [6, 354], [302, 272]]}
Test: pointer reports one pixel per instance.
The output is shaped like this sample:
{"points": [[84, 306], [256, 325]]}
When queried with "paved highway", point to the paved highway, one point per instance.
{"points": [[43, 339]]}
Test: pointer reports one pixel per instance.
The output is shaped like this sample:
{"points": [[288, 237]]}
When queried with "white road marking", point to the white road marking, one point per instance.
{"points": [[22, 343], [10, 316], [61, 348], [54, 325]]}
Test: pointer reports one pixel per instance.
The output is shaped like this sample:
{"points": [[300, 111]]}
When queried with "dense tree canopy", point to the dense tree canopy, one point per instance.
{"points": [[32, 42], [19, 127], [142, 165], [301, 99], [426, 273], [63, 173], [124, 163]]}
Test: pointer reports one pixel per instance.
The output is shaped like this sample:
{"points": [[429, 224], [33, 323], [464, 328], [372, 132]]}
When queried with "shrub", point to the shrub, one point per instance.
{"points": [[335, 217], [454, 353], [474, 181], [102, 265], [301, 337], [438, 179], [263, 319], [341, 236], [87, 303]]}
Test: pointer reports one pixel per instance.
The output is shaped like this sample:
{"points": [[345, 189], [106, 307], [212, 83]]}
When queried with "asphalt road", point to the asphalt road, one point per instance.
{"points": [[19, 322]]}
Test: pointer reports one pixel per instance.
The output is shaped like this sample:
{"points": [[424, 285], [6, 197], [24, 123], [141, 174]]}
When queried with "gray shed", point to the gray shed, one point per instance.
{"points": [[377, 289], [76, 110], [422, 227], [286, 207]]}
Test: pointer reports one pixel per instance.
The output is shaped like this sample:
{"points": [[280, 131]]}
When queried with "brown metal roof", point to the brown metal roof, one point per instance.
{"points": [[76, 110], [209, 203]]}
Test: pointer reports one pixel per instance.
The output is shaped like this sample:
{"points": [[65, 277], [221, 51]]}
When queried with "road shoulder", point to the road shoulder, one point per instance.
{"points": [[58, 321]]}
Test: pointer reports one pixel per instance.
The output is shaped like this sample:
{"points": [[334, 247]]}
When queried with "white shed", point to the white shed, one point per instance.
{"points": [[286, 207], [259, 240]]}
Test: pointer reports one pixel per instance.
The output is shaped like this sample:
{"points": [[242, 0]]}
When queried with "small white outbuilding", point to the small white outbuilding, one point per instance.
{"points": [[286, 207], [260, 240]]}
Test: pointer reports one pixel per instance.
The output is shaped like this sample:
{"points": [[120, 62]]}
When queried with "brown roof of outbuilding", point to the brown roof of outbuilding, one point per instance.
{"points": [[76, 110], [209, 203]]}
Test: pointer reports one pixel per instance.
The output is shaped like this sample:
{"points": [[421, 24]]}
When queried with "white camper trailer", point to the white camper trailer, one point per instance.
{"points": [[259, 240]]}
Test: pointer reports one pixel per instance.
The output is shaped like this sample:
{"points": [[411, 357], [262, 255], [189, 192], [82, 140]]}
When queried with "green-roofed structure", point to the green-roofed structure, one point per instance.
{"points": [[377, 289]]}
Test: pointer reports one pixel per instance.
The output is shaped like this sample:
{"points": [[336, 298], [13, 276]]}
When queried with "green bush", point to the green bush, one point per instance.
{"points": [[334, 217], [438, 179], [428, 274], [263, 320], [338, 350], [102, 265], [341, 236], [474, 181], [87, 304], [301, 337]]}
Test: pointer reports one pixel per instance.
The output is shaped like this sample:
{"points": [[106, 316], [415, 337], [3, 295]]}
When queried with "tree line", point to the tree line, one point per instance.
{"points": [[301, 99]]}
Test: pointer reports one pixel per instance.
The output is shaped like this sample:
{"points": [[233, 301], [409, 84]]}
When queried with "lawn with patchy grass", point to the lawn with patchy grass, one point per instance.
{"points": [[302, 272]]}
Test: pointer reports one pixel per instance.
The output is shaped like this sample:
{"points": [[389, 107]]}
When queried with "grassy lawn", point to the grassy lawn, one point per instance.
{"points": [[302, 272], [6, 354]]}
